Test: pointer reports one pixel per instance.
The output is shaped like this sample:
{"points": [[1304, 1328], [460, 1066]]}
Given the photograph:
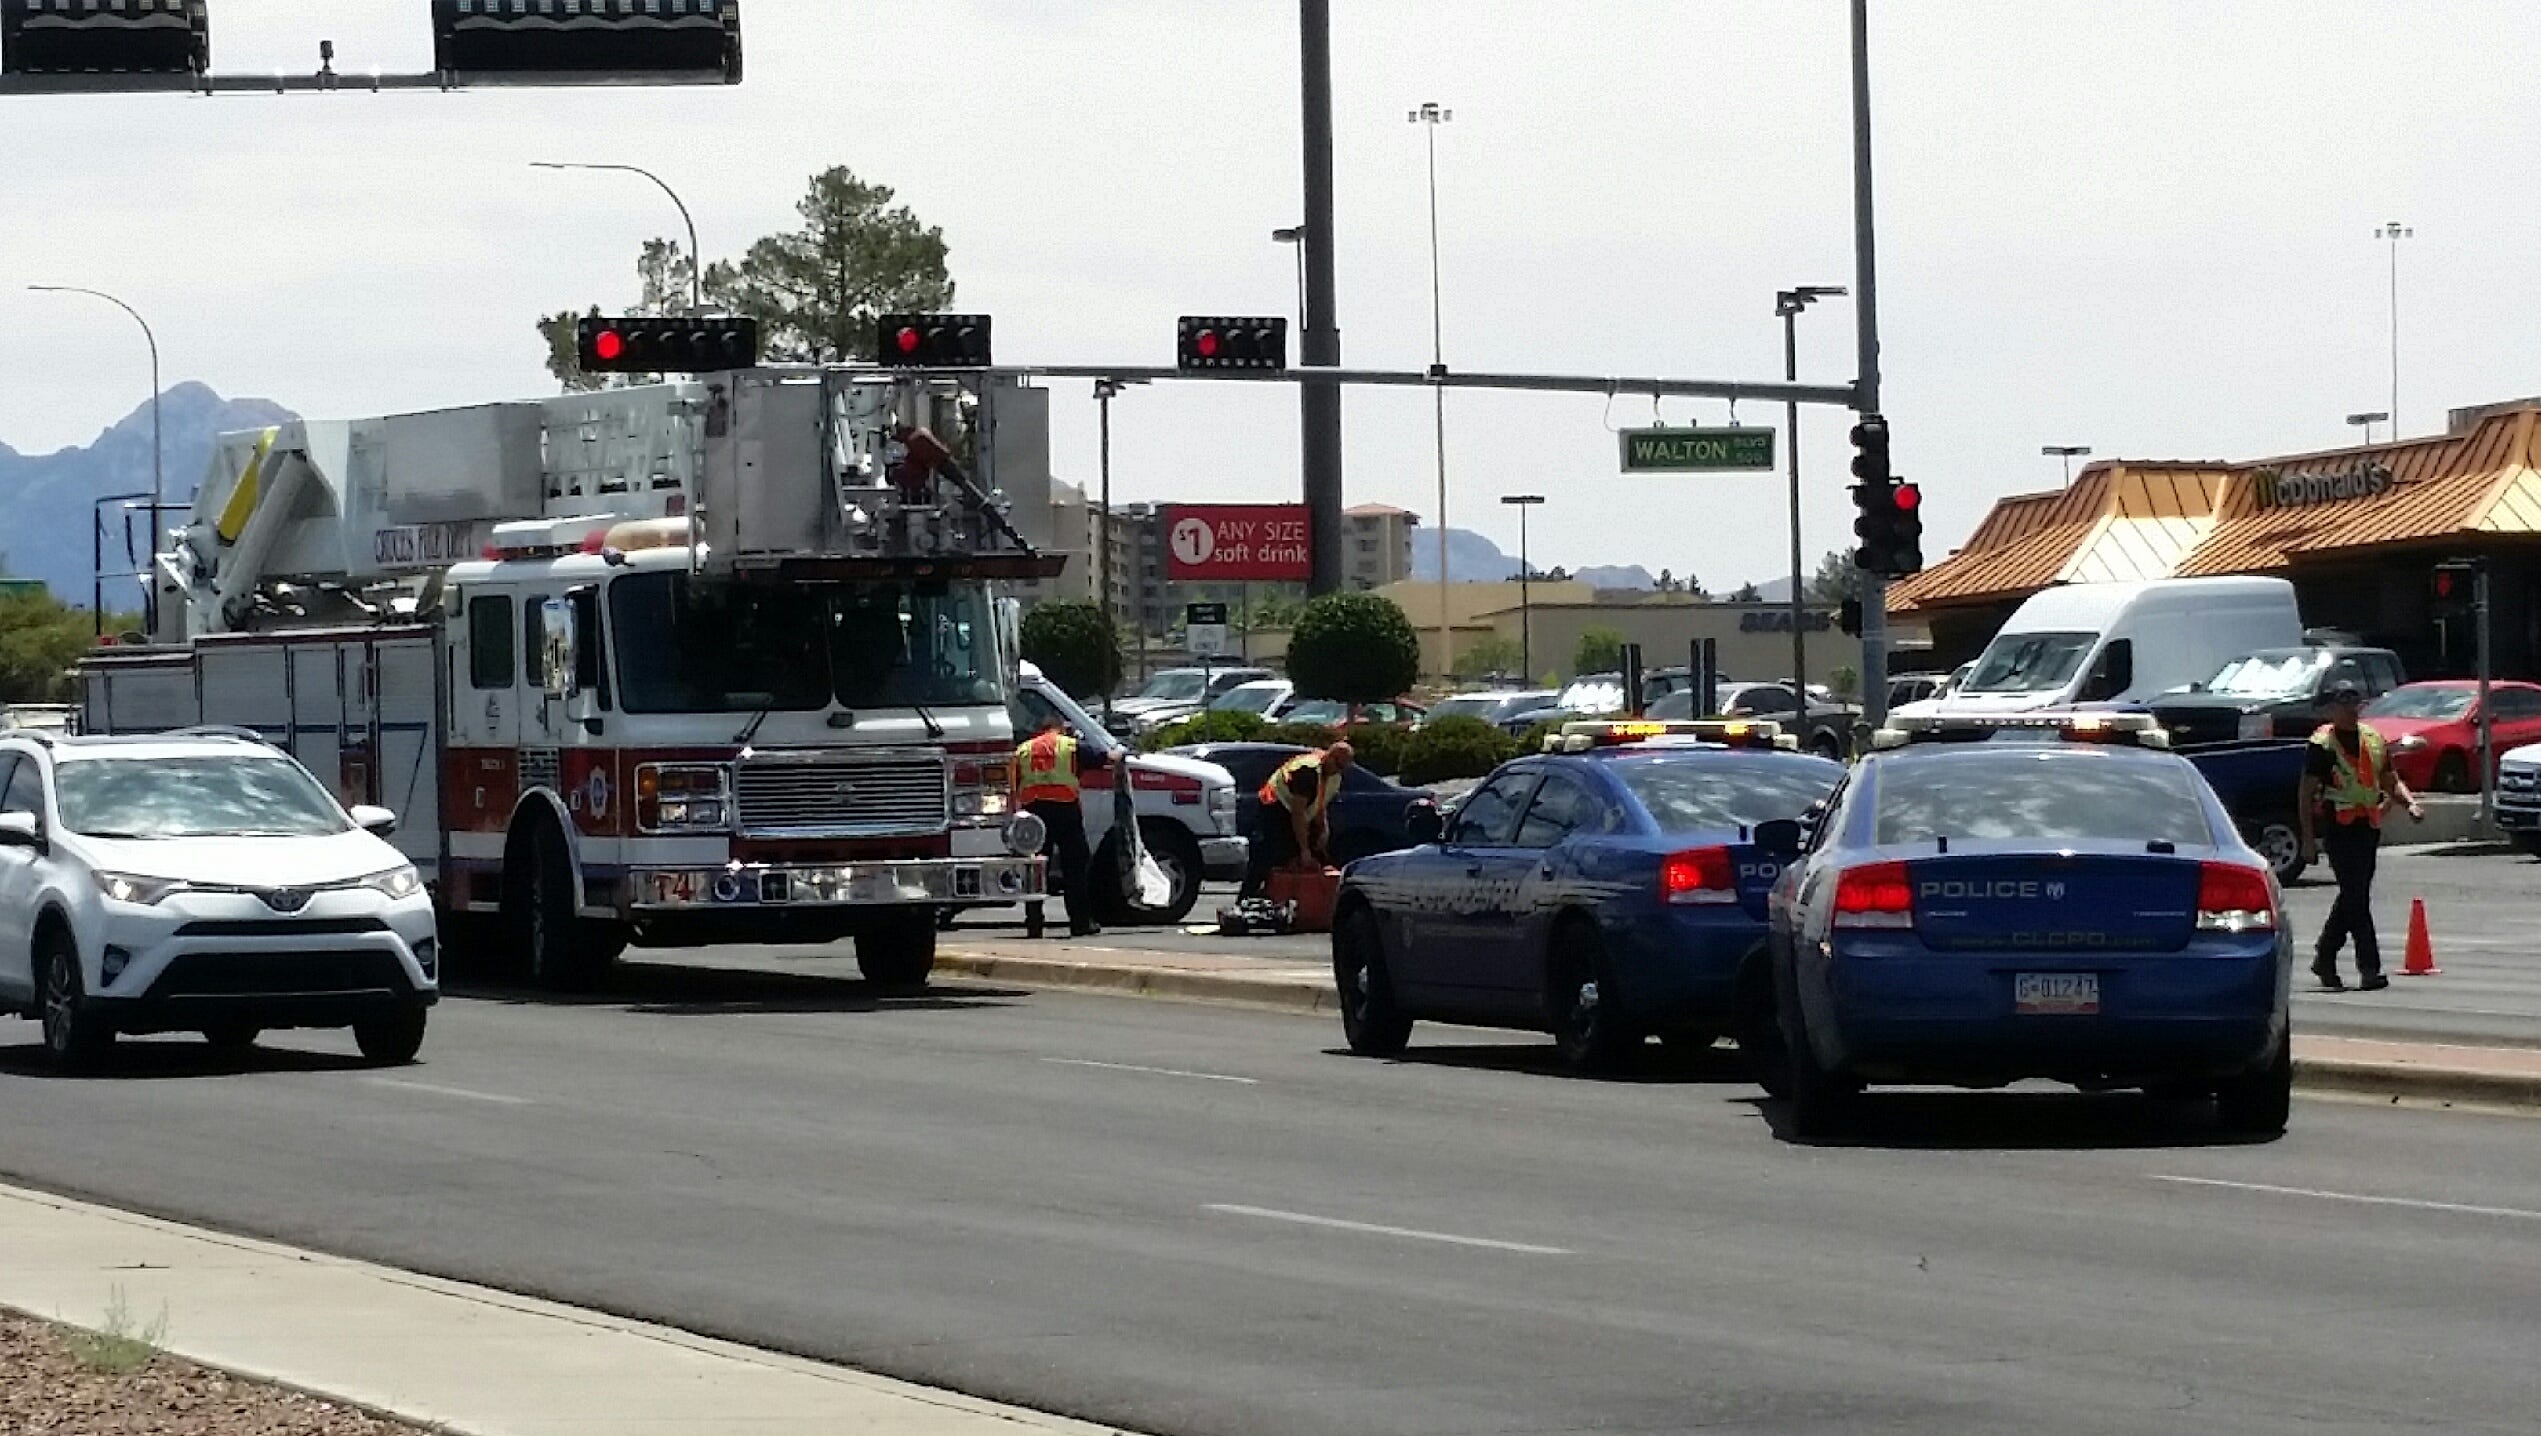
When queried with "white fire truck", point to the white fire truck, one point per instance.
{"points": [[714, 660]]}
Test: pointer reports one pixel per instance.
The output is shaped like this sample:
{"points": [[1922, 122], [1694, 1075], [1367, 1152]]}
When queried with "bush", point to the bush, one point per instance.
{"points": [[1218, 725], [1454, 748], [1600, 650], [1353, 647], [1379, 746], [1304, 735], [1073, 646]]}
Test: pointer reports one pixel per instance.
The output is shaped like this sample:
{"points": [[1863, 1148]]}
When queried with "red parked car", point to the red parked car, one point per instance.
{"points": [[2433, 729]]}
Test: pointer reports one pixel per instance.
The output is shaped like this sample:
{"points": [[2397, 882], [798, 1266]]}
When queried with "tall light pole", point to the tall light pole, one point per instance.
{"points": [[2068, 453], [2394, 232], [696, 261], [1295, 235], [2366, 423], [1526, 573], [1788, 305], [150, 589], [1430, 117], [1319, 400]]}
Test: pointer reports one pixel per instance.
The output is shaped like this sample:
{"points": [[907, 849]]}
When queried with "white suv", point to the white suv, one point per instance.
{"points": [[201, 883]]}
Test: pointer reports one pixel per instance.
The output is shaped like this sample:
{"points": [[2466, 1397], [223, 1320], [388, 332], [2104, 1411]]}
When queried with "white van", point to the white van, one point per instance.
{"points": [[2122, 642]]}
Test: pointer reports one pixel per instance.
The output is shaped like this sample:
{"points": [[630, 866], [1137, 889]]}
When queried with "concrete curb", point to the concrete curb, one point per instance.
{"points": [[2349, 1076]]}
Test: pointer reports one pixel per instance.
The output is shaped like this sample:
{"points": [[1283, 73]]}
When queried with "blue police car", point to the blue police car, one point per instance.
{"points": [[2051, 898], [1604, 892]]}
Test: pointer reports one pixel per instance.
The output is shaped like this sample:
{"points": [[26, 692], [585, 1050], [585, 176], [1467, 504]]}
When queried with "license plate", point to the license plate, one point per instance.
{"points": [[2056, 993]]}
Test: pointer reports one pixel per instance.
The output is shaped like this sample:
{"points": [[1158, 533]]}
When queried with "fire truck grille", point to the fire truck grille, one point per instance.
{"points": [[859, 797]]}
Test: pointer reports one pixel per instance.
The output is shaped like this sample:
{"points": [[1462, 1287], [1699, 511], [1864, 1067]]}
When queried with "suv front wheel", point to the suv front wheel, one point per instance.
{"points": [[75, 1036]]}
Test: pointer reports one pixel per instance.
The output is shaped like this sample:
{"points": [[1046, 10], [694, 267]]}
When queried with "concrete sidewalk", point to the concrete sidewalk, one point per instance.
{"points": [[2432, 1071], [442, 1353]]}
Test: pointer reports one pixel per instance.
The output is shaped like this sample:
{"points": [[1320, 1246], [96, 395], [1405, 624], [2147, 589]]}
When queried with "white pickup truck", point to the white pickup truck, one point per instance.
{"points": [[1186, 809]]}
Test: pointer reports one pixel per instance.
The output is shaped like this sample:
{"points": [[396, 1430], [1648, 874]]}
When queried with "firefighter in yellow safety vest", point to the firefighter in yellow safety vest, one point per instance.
{"points": [[2347, 782], [1289, 820], [1046, 786]]}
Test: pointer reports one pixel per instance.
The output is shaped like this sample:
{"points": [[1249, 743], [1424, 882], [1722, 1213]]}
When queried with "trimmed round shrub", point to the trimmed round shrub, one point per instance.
{"points": [[1073, 647], [1457, 747], [1354, 647], [1218, 725]]}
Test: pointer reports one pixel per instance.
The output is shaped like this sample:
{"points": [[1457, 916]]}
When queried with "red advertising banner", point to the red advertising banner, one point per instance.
{"points": [[1235, 543]]}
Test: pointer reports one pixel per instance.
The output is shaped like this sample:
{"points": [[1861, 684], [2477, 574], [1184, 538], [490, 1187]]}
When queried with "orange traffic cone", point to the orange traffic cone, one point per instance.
{"points": [[2421, 958]]}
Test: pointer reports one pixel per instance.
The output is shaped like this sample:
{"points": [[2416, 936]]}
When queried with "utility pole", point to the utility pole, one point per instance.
{"points": [[1104, 389], [1319, 400], [2487, 737], [1526, 574], [1788, 305], [1429, 117], [1866, 382]]}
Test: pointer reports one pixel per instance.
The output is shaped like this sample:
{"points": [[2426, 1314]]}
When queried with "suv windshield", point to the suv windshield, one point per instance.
{"points": [[2269, 673], [2438, 703], [214, 795], [697, 646], [2028, 662], [2050, 796], [1468, 705]]}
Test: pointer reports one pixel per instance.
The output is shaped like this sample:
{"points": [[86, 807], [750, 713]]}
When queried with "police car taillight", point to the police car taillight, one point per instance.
{"points": [[1702, 876], [2234, 898], [1877, 895]]}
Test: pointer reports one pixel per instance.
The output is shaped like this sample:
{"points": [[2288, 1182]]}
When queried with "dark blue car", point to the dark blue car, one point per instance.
{"points": [[1604, 895], [1367, 816], [2060, 904]]}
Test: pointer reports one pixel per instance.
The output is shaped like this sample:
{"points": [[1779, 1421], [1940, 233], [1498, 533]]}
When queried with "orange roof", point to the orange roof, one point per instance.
{"points": [[2440, 487]]}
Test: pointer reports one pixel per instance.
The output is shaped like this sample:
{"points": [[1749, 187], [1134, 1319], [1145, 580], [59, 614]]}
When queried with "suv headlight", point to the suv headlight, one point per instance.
{"points": [[131, 888], [683, 798], [399, 883]]}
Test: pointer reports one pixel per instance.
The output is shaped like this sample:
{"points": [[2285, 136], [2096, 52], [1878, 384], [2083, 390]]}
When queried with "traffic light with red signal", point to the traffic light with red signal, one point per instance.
{"points": [[1203, 342], [2453, 584], [931, 341], [1889, 510], [650, 344]]}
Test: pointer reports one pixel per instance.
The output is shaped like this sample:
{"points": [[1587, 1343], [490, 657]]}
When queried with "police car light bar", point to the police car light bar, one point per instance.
{"points": [[1734, 733], [2138, 730]]}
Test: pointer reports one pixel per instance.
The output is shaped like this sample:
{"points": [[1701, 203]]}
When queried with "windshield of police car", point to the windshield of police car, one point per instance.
{"points": [[2044, 797], [2028, 662], [694, 645], [1714, 792]]}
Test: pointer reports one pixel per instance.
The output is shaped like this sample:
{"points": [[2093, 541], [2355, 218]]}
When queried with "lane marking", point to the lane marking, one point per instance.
{"points": [[1307, 1219], [462, 1093], [1153, 1071], [2357, 1197]]}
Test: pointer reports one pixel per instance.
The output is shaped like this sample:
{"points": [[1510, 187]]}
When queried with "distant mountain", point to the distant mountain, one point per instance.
{"points": [[1473, 558], [49, 497]]}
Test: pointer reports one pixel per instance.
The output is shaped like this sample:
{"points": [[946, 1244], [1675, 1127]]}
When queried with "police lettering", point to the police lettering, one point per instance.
{"points": [[2003, 888]]}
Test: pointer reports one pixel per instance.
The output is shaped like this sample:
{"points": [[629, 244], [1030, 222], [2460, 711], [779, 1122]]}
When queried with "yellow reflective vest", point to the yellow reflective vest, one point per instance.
{"points": [[1276, 790], [1045, 770], [2354, 792]]}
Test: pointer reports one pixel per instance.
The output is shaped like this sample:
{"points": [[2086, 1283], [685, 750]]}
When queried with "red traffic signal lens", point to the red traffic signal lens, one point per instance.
{"points": [[1207, 343], [609, 344], [909, 339], [1909, 498], [2443, 583]]}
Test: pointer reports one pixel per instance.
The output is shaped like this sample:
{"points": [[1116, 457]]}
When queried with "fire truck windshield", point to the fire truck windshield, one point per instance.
{"points": [[694, 645]]}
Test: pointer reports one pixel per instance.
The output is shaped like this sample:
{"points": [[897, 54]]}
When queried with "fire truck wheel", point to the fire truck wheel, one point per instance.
{"points": [[558, 945], [898, 951]]}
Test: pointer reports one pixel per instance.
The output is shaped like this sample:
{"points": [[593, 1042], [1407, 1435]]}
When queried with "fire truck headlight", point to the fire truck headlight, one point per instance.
{"points": [[682, 798], [1025, 832]]}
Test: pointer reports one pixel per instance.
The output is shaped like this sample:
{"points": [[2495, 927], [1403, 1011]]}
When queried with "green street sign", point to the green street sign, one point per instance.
{"points": [[1655, 451]]}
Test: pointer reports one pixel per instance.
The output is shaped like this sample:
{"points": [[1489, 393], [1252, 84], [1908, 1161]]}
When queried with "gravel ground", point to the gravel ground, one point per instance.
{"points": [[46, 1389]]}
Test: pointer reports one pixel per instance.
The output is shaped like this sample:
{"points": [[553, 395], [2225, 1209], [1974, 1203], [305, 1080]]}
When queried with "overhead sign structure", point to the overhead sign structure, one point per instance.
{"points": [[1236, 543], [1676, 451]]}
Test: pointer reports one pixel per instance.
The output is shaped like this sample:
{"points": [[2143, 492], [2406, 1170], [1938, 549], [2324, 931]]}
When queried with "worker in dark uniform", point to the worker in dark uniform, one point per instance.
{"points": [[1046, 786], [1288, 818], [2347, 783]]}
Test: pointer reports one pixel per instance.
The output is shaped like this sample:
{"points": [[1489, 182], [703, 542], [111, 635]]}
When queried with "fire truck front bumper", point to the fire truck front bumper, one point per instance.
{"points": [[913, 882]]}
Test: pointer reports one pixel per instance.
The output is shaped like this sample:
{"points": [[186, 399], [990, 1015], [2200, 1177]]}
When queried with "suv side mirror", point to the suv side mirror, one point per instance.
{"points": [[379, 822], [22, 830], [1778, 838], [1423, 823]]}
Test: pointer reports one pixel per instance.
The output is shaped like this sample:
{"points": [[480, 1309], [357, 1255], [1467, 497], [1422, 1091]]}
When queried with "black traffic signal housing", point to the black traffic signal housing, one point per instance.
{"points": [[1848, 617], [1238, 342], [133, 37], [931, 341], [2453, 584], [679, 40], [665, 344], [1889, 517]]}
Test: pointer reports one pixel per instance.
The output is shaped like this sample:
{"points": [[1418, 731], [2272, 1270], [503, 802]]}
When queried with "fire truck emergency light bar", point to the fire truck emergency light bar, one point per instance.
{"points": [[1733, 733], [2133, 730]]}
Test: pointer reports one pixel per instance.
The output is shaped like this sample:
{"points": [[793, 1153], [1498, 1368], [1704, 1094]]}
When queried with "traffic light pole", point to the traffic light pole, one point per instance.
{"points": [[2487, 738], [1319, 403], [1866, 384]]}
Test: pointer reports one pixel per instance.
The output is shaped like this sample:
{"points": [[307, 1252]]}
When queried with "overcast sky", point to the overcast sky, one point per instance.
{"points": [[2145, 227]]}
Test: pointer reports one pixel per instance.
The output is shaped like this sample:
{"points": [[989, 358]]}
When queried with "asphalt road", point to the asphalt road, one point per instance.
{"points": [[1190, 1219]]}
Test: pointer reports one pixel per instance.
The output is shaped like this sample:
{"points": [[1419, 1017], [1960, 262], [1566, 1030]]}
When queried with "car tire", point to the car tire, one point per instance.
{"points": [[1177, 852], [232, 1036], [1759, 1029], [2452, 773], [76, 1038], [554, 940], [1588, 1029], [1370, 1022], [391, 1040], [2281, 844], [2258, 1103], [897, 952], [1822, 1103], [2529, 844]]}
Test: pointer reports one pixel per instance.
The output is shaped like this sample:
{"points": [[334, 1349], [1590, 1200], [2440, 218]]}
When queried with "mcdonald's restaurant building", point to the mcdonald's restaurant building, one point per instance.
{"points": [[2358, 531]]}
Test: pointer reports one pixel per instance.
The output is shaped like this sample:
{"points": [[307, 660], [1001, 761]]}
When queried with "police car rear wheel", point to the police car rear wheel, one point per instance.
{"points": [[1822, 1103], [1587, 1028], [1759, 1030], [2257, 1104], [1370, 1022]]}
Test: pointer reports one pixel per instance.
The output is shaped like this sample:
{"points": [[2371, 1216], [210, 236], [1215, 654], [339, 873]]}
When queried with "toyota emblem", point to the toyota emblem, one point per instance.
{"points": [[286, 899]]}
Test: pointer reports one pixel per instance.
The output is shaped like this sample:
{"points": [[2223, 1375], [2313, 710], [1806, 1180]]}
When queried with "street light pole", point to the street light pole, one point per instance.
{"points": [[1295, 236], [150, 589], [1430, 116], [2366, 423], [1788, 305], [2394, 232], [696, 261], [1319, 399], [1866, 341], [1526, 574], [2068, 453]]}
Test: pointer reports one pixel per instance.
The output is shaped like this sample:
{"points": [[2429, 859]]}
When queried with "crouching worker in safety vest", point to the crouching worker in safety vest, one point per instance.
{"points": [[1046, 786], [2346, 785], [1288, 820]]}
